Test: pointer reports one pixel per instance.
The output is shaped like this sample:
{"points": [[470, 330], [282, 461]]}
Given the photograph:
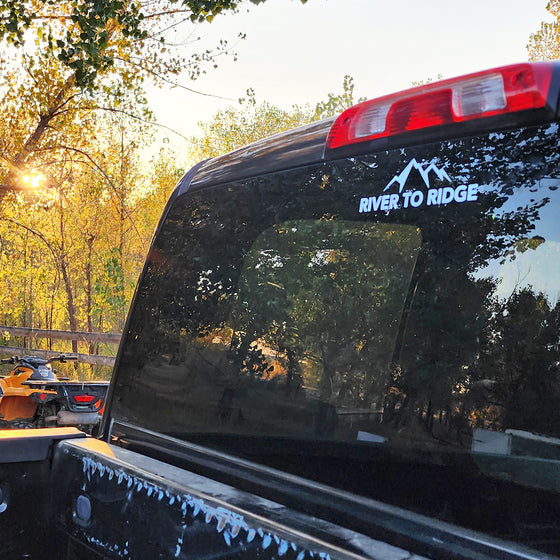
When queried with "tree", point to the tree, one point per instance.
{"points": [[336, 104], [74, 115], [234, 127], [545, 43], [92, 37], [71, 254], [89, 56]]}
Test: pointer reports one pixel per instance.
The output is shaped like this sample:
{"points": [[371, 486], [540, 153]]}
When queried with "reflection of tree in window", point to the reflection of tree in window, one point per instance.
{"points": [[328, 296], [443, 362]]}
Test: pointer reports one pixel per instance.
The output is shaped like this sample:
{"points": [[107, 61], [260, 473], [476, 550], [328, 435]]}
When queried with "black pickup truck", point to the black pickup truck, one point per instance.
{"points": [[345, 343]]}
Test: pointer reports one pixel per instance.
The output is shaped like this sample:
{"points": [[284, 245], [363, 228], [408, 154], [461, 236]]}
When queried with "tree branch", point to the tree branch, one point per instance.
{"points": [[107, 179], [140, 119], [174, 84], [36, 233]]}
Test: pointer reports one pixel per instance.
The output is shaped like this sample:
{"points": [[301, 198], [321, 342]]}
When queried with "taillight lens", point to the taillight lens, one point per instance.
{"points": [[84, 398], [495, 92], [476, 96]]}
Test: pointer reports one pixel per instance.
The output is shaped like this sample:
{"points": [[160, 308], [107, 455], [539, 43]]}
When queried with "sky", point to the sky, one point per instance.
{"points": [[297, 53]]}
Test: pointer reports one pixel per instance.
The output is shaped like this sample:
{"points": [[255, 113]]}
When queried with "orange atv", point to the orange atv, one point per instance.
{"points": [[32, 396]]}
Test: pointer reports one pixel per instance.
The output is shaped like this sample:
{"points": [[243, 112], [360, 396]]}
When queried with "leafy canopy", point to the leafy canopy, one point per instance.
{"points": [[64, 60], [545, 43], [81, 34]]}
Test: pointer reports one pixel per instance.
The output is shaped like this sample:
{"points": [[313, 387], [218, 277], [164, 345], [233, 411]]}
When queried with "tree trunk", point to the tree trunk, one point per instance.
{"points": [[90, 240], [70, 306]]}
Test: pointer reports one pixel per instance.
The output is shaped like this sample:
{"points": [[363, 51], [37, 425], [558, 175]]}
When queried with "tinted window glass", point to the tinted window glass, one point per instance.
{"points": [[387, 324]]}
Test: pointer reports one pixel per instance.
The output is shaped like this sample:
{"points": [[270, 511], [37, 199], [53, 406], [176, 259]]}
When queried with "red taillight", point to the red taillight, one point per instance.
{"points": [[494, 92], [84, 398], [42, 396]]}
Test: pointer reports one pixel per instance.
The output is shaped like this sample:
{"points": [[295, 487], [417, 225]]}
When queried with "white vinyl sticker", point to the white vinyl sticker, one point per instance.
{"points": [[416, 197]]}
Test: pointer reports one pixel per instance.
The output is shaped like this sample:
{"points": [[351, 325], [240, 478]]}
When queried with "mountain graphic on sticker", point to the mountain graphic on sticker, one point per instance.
{"points": [[402, 177]]}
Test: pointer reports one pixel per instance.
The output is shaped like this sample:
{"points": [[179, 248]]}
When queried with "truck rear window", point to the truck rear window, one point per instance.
{"points": [[387, 324]]}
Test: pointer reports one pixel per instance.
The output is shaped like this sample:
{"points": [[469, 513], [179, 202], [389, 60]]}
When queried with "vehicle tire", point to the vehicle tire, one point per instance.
{"points": [[21, 424]]}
